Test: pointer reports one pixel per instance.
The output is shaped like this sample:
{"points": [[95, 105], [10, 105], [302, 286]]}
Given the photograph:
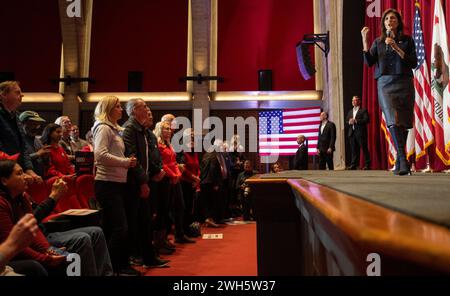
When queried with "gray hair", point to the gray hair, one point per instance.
{"points": [[58, 120], [129, 107], [168, 117]]}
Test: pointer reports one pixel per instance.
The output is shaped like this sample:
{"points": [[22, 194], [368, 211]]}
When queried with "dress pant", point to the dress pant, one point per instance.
{"points": [[188, 196], [325, 159], [177, 208], [139, 217], [210, 200], [111, 197], [162, 205], [358, 143]]}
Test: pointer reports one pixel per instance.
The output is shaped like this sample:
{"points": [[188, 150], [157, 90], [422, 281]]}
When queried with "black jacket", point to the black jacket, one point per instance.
{"points": [[360, 127], [242, 177], [389, 62], [134, 137], [301, 158], [327, 139], [12, 138], [210, 171]]}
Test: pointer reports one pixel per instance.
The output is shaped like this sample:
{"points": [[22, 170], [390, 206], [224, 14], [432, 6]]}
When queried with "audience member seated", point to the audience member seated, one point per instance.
{"points": [[244, 192], [39, 153], [13, 206], [59, 163], [76, 142], [88, 242], [66, 124], [276, 168], [90, 139], [20, 237]]}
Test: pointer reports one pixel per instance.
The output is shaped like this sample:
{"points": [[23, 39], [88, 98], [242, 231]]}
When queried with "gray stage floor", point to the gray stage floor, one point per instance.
{"points": [[425, 196]]}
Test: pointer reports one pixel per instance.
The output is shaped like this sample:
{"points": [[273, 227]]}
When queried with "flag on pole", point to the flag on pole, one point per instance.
{"points": [[411, 144], [422, 134], [278, 130], [422, 82], [391, 151], [440, 85]]}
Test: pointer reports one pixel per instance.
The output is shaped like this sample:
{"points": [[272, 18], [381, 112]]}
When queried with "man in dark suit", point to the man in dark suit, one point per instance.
{"points": [[357, 119], [301, 157], [213, 173], [325, 144]]}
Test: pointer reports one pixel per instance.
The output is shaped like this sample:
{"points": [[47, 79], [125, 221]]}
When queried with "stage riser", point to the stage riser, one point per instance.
{"points": [[295, 238]]}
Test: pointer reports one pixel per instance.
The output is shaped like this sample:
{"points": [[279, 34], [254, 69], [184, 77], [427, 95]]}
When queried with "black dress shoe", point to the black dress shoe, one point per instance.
{"points": [[366, 168], [136, 261], [169, 245], [350, 168], [165, 251], [156, 263], [128, 271]]}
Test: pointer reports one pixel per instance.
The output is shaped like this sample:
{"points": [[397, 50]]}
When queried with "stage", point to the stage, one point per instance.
{"points": [[329, 222]]}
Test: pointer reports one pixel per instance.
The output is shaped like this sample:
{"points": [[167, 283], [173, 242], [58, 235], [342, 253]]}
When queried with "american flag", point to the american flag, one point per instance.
{"points": [[278, 130], [391, 151], [422, 133]]}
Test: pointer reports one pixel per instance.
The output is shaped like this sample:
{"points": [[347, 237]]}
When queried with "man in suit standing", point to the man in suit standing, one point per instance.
{"points": [[301, 157], [213, 173], [357, 119], [325, 144]]}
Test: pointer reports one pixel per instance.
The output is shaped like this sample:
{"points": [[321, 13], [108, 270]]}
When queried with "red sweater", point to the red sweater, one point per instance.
{"points": [[170, 165], [59, 163], [191, 166], [10, 213]]}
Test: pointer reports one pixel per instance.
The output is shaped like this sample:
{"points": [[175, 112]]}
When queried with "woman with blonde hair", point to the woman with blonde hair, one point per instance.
{"points": [[110, 179], [170, 195]]}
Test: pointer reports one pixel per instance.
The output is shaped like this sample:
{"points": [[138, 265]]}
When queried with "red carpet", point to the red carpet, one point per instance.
{"points": [[235, 254]]}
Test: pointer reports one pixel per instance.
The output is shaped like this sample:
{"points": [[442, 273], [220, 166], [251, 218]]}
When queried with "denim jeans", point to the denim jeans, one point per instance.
{"points": [[90, 244], [28, 268]]}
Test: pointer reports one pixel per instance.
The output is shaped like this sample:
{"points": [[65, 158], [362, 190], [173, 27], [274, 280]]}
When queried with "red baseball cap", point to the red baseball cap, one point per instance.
{"points": [[5, 156]]}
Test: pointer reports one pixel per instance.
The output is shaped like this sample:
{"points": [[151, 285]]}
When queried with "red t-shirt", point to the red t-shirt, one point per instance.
{"points": [[60, 164], [191, 166]]}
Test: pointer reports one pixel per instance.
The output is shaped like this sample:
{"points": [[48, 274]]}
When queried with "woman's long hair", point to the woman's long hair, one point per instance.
{"points": [[158, 132], [6, 170], [104, 108], [383, 34], [46, 137]]}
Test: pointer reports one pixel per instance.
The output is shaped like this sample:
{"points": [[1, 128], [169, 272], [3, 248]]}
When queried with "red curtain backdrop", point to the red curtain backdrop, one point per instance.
{"points": [[31, 43], [139, 35], [377, 141], [262, 34]]}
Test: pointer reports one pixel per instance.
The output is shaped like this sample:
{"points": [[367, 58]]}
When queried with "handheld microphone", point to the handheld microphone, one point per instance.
{"points": [[388, 34]]}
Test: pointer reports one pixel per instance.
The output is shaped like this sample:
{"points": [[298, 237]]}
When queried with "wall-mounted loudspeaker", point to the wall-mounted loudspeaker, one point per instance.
{"points": [[135, 81], [7, 76], [264, 80], [304, 61]]}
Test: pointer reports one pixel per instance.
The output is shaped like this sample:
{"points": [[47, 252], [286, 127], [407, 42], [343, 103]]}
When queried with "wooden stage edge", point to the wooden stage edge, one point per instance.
{"points": [[374, 227]]}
